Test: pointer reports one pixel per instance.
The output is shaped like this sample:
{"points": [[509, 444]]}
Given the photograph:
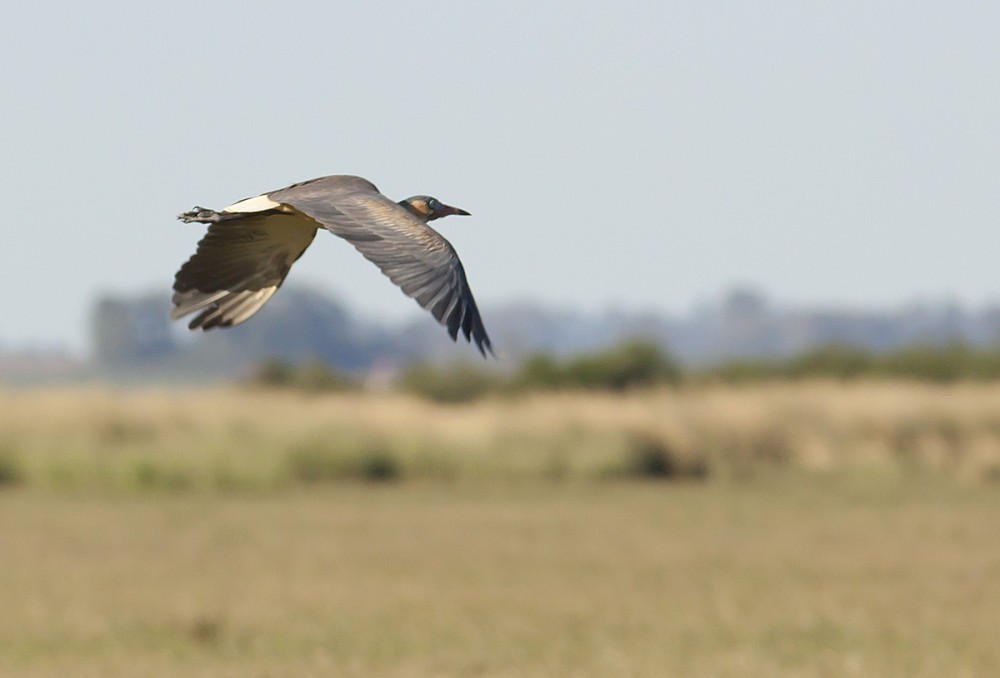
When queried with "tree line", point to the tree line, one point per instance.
{"points": [[643, 364]]}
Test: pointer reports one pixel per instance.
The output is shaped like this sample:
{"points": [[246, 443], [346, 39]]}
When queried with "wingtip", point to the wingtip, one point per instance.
{"points": [[486, 346]]}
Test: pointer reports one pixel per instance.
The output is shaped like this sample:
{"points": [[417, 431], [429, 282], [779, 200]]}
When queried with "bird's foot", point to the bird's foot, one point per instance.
{"points": [[200, 214]]}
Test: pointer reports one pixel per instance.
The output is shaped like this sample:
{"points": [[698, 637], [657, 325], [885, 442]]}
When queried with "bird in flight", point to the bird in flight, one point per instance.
{"points": [[251, 245]]}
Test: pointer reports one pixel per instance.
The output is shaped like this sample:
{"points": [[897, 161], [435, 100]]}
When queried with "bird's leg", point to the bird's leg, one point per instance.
{"points": [[202, 215]]}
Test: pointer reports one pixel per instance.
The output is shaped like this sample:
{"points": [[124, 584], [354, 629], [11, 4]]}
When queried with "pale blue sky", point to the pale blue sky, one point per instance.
{"points": [[638, 155]]}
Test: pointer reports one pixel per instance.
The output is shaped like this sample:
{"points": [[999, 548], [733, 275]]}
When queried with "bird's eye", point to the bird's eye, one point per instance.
{"points": [[433, 204]]}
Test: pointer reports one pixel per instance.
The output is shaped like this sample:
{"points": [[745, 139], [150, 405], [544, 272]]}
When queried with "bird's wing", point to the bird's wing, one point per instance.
{"points": [[412, 254], [239, 265]]}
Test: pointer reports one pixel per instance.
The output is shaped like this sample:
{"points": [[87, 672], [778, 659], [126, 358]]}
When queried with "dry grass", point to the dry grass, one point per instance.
{"points": [[795, 577], [842, 530], [178, 440]]}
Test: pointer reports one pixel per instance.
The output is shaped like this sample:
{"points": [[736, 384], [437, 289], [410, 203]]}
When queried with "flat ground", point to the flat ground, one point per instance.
{"points": [[783, 573]]}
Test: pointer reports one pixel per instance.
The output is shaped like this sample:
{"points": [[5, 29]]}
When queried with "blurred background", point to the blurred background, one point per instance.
{"points": [[737, 261], [637, 160]]}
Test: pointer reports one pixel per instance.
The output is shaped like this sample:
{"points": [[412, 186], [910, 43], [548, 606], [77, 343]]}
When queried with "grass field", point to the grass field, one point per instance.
{"points": [[834, 531], [177, 440]]}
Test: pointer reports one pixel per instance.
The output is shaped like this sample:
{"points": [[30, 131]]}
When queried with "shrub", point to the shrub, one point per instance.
{"points": [[378, 464], [932, 363], [743, 371], [454, 384], [650, 458], [940, 363], [323, 462], [273, 372], [11, 470], [648, 455], [316, 375], [540, 371], [313, 375], [842, 362], [634, 363]]}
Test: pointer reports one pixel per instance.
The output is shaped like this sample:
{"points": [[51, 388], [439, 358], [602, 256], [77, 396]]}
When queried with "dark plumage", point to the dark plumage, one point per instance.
{"points": [[251, 245]]}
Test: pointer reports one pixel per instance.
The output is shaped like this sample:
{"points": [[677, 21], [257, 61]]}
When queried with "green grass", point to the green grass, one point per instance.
{"points": [[784, 574]]}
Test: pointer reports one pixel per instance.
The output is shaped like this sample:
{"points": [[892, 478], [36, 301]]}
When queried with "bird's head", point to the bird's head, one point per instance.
{"points": [[427, 208]]}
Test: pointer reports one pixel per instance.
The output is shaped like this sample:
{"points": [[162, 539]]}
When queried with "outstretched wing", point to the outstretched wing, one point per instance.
{"points": [[239, 265], [412, 254]]}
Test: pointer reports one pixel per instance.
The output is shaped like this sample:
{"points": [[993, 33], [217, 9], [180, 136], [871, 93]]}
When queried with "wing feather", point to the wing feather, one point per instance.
{"points": [[413, 255], [239, 265]]}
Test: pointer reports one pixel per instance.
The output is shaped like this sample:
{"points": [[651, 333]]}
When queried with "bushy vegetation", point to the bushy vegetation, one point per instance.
{"points": [[11, 468], [639, 364], [634, 364], [312, 375], [452, 384], [649, 455], [324, 460], [643, 364], [939, 364]]}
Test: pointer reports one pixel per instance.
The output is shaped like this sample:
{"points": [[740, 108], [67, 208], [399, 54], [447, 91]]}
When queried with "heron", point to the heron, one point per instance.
{"points": [[251, 245]]}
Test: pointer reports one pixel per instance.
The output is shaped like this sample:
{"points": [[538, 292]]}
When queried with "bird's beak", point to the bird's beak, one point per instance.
{"points": [[448, 209]]}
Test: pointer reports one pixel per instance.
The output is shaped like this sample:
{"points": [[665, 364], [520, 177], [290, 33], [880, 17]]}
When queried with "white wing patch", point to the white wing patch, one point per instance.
{"points": [[197, 300], [261, 203]]}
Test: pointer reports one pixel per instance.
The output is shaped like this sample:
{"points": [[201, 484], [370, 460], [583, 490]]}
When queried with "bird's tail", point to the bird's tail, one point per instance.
{"points": [[206, 216]]}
